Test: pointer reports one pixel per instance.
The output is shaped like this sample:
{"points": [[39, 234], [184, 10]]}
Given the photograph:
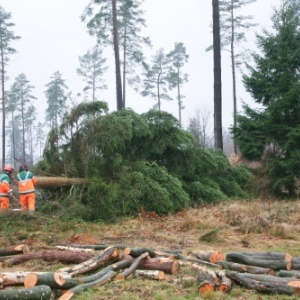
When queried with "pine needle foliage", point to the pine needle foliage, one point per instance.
{"points": [[136, 162]]}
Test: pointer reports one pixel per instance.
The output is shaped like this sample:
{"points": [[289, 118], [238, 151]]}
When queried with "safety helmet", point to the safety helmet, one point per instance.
{"points": [[8, 168], [23, 168]]}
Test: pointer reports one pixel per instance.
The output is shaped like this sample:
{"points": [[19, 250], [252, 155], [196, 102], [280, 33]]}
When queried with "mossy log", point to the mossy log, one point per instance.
{"points": [[52, 279], [41, 292], [67, 257], [79, 288], [292, 273], [14, 250], [137, 251], [18, 277], [269, 255], [248, 260], [207, 280], [245, 268], [264, 286], [108, 256], [133, 267]]}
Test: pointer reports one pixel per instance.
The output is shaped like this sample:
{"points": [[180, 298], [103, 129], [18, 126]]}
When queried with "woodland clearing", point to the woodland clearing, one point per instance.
{"points": [[239, 225]]}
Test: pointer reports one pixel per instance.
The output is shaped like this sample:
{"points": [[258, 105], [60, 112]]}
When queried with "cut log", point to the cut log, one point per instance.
{"points": [[169, 266], [133, 267], [149, 274], [52, 279], [261, 286], [164, 254], [68, 257], [248, 260], [197, 260], [137, 251], [109, 256], [96, 247], [14, 250], [269, 255], [211, 256], [79, 288], [269, 278], [47, 182], [41, 292], [207, 280], [114, 267], [75, 249], [18, 277], [225, 283], [245, 268], [283, 273]]}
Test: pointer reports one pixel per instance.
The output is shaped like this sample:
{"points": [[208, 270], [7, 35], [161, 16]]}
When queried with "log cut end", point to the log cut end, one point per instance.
{"points": [[295, 283], [30, 280], [223, 288], [289, 265], [205, 288], [175, 267], [25, 249], [216, 256], [288, 257], [66, 296]]}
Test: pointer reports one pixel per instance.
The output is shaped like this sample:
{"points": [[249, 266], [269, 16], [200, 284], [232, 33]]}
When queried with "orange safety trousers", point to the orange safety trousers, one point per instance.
{"points": [[4, 203], [27, 201]]}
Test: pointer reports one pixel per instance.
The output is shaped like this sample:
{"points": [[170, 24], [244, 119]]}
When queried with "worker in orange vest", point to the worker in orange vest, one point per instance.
{"points": [[5, 188], [26, 182]]}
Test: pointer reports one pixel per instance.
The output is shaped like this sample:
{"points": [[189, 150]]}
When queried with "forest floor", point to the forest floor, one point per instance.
{"points": [[228, 227]]}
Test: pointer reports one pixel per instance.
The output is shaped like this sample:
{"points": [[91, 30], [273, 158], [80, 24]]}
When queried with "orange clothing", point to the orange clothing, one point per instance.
{"points": [[26, 182], [5, 190], [27, 201]]}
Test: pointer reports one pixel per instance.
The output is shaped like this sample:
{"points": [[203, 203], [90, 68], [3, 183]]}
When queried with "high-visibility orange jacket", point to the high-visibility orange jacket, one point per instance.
{"points": [[5, 187], [26, 182]]}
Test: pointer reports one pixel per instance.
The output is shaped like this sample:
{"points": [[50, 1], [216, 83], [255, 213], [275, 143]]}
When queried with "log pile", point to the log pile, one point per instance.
{"points": [[265, 272]]}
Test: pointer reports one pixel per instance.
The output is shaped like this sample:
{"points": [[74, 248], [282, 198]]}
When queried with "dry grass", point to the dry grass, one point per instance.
{"points": [[231, 226]]}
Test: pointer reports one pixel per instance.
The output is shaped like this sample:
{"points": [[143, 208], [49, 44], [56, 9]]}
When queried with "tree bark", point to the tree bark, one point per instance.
{"points": [[109, 256], [272, 264], [79, 288], [225, 283], [283, 273], [207, 280], [67, 257], [47, 182], [169, 266], [245, 268], [133, 267], [150, 274], [41, 292], [217, 76], [211, 256], [18, 277], [203, 262], [14, 250], [266, 287], [51, 279], [269, 255], [137, 251]]}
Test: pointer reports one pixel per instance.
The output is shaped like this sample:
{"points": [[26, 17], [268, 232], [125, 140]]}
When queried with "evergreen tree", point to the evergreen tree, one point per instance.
{"points": [[40, 137], [128, 28], [30, 117], [271, 133], [156, 78], [56, 99], [23, 91], [6, 38], [176, 78], [92, 68]]}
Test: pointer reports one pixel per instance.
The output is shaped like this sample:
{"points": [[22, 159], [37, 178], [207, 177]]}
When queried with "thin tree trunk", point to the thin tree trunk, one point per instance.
{"points": [[233, 75], [3, 104], [217, 77], [120, 103], [124, 67]]}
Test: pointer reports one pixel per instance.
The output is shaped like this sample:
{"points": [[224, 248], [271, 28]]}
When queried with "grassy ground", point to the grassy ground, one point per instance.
{"points": [[231, 226]]}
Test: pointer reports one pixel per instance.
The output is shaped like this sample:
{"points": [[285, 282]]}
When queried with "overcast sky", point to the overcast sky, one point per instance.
{"points": [[52, 38]]}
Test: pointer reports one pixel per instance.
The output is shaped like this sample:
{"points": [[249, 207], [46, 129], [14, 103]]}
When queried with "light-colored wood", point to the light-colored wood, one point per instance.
{"points": [[47, 182], [75, 249], [150, 274]]}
